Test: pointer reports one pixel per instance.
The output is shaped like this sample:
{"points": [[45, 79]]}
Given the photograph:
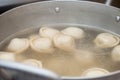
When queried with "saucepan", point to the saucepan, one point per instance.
{"points": [[58, 12]]}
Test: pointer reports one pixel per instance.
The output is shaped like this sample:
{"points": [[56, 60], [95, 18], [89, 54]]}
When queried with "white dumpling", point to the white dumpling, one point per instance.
{"points": [[33, 62], [95, 72], [116, 53], [48, 32], [7, 56], [64, 42], [18, 45], [34, 36], [42, 45], [106, 40], [75, 32]]}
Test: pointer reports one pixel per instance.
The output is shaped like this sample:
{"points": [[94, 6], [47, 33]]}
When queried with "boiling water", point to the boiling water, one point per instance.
{"points": [[66, 63]]}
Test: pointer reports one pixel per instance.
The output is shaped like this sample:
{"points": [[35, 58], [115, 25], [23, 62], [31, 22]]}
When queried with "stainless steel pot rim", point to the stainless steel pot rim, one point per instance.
{"points": [[44, 2], [17, 66], [20, 67], [86, 78]]}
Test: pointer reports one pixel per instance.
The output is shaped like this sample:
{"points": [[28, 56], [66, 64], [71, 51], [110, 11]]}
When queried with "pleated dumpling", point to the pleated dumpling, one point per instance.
{"points": [[18, 45], [64, 42], [106, 40], [95, 72], [34, 36], [33, 62], [76, 33], [116, 53], [48, 32], [42, 45], [7, 56]]}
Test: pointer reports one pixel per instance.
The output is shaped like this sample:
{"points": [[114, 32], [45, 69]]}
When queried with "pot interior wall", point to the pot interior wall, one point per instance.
{"points": [[42, 13]]}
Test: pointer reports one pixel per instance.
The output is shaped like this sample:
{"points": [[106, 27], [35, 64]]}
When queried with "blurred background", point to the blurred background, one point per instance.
{"points": [[9, 4]]}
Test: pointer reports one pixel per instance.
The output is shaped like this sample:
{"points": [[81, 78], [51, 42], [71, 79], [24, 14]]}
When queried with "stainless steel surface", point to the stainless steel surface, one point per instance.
{"points": [[118, 18], [57, 9], [71, 12], [22, 72], [107, 2], [12, 2], [9, 4]]}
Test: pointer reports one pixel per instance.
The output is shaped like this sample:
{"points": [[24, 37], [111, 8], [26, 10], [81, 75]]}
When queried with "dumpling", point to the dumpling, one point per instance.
{"points": [[18, 45], [42, 45], [34, 36], [33, 62], [75, 32], [7, 56], [106, 40], [95, 72], [116, 53], [64, 42], [48, 32]]}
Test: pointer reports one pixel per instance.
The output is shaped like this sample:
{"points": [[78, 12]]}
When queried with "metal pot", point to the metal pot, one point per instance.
{"points": [[62, 12]]}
